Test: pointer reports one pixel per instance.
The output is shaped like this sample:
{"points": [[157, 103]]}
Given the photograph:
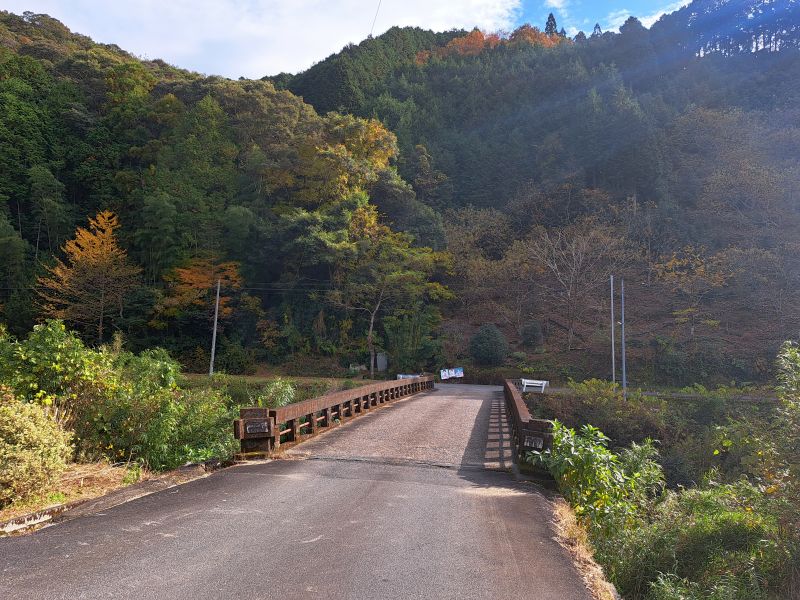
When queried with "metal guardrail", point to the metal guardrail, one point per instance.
{"points": [[262, 430], [527, 433]]}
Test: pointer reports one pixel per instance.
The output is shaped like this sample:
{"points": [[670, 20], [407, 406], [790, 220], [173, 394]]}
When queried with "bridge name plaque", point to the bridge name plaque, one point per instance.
{"points": [[536, 443], [252, 427]]}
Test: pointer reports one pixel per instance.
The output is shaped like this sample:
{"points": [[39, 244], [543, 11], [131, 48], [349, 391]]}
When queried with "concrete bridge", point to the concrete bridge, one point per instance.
{"points": [[411, 500]]}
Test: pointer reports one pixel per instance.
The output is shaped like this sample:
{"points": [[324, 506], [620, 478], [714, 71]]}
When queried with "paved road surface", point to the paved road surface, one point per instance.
{"points": [[395, 504]]}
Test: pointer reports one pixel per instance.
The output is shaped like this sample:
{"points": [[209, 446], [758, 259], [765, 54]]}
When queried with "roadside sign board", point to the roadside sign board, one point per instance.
{"points": [[455, 373]]}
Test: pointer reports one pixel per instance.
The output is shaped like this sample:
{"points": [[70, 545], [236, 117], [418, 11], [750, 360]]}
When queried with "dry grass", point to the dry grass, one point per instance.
{"points": [[574, 538], [78, 482]]}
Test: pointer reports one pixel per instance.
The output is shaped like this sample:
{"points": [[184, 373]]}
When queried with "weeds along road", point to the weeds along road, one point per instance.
{"points": [[395, 504]]}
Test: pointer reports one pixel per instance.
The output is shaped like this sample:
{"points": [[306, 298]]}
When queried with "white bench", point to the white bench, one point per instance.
{"points": [[533, 385]]}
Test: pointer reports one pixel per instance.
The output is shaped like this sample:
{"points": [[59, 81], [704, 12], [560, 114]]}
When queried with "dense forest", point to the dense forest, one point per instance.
{"points": [[175, 182], [667, 156], [411, 189]]}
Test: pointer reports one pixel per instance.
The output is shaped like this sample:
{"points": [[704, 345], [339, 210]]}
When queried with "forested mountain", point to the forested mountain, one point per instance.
{"points": [[201, 179], [677, 143], [540, 163]]}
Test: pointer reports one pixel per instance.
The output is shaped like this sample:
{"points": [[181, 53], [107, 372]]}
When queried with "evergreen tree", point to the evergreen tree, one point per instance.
{"points": [[551, 28], [156, 238]]}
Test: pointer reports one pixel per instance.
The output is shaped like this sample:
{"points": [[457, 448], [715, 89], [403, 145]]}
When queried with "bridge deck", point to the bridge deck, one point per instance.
{"points": [[396, 504], [455, 426]]}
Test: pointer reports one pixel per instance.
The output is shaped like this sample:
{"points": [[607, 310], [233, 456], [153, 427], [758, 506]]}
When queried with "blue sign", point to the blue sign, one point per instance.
{"points": [[455, 373]]}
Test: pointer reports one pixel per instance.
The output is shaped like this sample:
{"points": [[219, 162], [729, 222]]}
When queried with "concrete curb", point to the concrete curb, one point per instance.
{"points": [[59, 513]]}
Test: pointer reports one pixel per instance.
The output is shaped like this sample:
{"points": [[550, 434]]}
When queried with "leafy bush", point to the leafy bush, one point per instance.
{"points": [[716, 541], [114, 424], [53, 368], [688, 429], [34, 450], [519, 357], [488, 346], [187, 427], [120, 405], [606, 490], [235, 358], [278, 392], [531, 334], [601, 403], [702, 542]]}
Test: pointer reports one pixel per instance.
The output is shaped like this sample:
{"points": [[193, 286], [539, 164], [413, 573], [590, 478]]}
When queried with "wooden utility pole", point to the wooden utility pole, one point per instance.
{"points": [[214, 334], [622, 314], [613, 331]]}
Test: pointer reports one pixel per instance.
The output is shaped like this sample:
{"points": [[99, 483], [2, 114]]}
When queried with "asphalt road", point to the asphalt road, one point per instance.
{"points": [[395, 504]]}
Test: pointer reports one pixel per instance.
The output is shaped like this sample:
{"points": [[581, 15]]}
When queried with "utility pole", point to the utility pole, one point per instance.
{"points": [[214, 335], [613, 331], [624, 371]]}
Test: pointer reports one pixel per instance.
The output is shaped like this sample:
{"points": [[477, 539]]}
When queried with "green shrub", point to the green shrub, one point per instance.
{"points": [[189, 427], [488, 346], [716, 541], [34, 450], [606, 490], [531, 334], [120, 405], [520, 357], [112, 424], [53, 368], [278, 392], [601, 403], [719, 541]]}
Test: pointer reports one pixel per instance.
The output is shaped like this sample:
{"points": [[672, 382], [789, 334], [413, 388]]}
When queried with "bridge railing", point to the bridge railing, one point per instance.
{"points": [[527, 433], [263, 430]]}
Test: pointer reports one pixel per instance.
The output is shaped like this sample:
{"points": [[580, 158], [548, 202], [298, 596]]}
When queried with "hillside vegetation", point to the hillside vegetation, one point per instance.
{"points": [[667, 156], [484, 178], [176, 181]]}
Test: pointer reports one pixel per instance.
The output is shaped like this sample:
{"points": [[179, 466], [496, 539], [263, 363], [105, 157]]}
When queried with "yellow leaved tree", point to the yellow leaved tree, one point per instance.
{"points": [[88, 288]]}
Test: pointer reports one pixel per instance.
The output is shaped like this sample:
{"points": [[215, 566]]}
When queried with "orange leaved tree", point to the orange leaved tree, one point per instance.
{"points": [[88, 288]]}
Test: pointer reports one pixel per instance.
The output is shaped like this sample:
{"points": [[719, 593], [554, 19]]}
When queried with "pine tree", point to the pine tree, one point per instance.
{"points": [[90, 287], [551, 28], [597, 31]]}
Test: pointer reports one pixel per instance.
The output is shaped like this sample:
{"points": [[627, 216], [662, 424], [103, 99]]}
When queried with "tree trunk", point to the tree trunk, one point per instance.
{"points": [[38, 234], [370, 344], [100, 321], [569, 336]]}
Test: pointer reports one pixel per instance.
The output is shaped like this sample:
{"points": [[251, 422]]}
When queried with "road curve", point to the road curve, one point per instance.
{"points": [[395, 504]]}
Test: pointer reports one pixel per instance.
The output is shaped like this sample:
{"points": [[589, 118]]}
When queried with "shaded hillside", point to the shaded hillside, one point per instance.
{"points": [[681, 140]]}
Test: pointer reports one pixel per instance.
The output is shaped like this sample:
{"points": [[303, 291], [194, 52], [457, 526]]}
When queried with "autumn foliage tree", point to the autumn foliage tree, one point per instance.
{"points": [[191, 290], [527, 34], [89, 287], [476, 41], [694, 275], [382, 270]]}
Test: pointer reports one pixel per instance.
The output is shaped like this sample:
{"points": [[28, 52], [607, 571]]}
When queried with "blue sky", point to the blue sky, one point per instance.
{"points": [[575, 15], [253, 38]]}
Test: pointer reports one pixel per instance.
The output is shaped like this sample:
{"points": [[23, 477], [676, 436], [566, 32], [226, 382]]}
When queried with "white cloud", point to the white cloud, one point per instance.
{"points": [[615, 19], [648, 20], [560, 5], [253, 38]]}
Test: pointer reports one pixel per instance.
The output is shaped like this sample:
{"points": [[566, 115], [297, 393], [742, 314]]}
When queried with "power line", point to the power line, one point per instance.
{"points": [[371, 29]]}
